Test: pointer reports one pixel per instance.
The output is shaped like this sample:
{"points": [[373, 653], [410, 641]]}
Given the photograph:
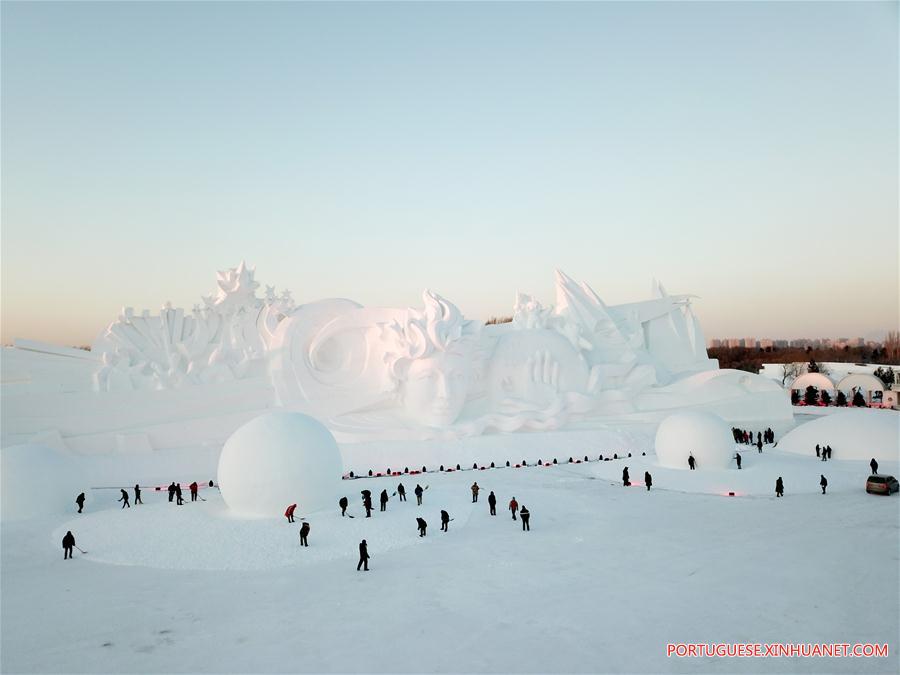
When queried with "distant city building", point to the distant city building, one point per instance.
{"points": [[750, 342], [715, 343], [766, 343]]}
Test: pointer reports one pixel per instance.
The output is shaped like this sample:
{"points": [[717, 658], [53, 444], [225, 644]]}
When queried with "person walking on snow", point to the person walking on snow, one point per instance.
{"points": [[178, 498], [124, 499], [137, 494], [874, 466], [289, 513], [384, 500], [626, 480], [419, 492], [401, 492], [759, 446], [68, 544], [304, 533], [475, 490], [367, 502], [422, 526], [80, 501], [513, 506], [779, 487], [343, 503], [817, 449], [363, 556], [648, 480], [492, 503], [172, 491], [737, 457], [526, 514], [445, 521], [824, 483], [193, 487], [691, 461]]}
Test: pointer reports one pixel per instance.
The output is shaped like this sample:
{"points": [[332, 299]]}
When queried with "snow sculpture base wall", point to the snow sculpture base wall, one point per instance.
{"points": [[278, 459]]}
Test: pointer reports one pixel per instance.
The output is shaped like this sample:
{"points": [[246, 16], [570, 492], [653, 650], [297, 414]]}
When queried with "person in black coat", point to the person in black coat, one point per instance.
{"points": [[80, 501], [817, 449], [384, 500], [737, 458], [68, 543], [367, 502], [525, 514], [178, 500], [137, 494], [492, 503], [626, 480], [759, 446], [363, 556], [343, 503], [691, 462], [401, 492], [874, 466], [824, 483], [304, 533], [445, 521], [648, 480], [419, 492], [124, 499], [172, 491], [422, 526], [779, 487]]}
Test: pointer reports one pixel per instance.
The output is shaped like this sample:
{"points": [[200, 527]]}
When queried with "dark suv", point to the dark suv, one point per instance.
{"points": [[882, 485]]}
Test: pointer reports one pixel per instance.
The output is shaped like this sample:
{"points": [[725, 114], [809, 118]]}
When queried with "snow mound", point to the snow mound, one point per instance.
{"points": [[278, 459], [37, 481], [852, 434], [702, 434]]}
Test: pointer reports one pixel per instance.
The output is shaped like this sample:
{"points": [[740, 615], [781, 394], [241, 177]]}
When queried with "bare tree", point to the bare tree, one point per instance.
{"points": [[790, 370]]}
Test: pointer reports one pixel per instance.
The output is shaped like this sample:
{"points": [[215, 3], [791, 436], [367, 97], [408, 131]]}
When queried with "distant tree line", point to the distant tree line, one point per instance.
{"points": [[751, 360]]}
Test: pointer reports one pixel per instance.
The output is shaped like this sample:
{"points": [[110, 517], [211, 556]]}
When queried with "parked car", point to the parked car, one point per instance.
{"points": [[882, 485]]}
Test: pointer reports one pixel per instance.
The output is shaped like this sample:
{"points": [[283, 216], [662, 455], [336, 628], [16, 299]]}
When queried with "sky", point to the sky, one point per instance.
{"points": [[743, 152]]}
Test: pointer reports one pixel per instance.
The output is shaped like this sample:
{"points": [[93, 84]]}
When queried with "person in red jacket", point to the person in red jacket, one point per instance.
{"points": [[289, 514], [513, 506], [194, 488]]}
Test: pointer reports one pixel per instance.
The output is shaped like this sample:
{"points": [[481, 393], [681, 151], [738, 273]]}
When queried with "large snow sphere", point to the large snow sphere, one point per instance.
{"points": [[702, 434], [276, 460], [36, 480]]}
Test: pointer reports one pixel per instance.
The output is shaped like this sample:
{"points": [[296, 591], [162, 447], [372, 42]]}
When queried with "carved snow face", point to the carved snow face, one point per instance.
{"points": [[435, 388]]}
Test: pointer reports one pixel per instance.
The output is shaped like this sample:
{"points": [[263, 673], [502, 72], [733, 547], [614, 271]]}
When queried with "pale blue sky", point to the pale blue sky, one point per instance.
{"points": [[745, 152]]}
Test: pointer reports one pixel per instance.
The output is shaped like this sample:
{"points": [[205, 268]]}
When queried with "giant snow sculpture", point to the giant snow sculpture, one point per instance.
{"points": [[417, 373]]}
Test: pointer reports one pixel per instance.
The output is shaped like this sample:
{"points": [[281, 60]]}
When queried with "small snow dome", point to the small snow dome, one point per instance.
{"points": [[276, 460], [702, 434], [36, 481]]}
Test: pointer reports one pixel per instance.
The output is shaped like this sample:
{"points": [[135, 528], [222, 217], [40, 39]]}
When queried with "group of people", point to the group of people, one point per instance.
{"points": [[823, 451], [648, 479], [745, 437], [521, 513]]}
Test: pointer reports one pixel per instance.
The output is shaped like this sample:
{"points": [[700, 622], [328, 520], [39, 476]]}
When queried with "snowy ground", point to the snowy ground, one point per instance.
{"points": [[606, 577]]}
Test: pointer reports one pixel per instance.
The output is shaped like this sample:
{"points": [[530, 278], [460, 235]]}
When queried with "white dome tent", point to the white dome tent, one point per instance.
{"points": [[870, 386]]}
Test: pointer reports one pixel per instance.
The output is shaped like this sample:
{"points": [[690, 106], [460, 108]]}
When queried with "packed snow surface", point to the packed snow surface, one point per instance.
{"points": [[692, 432], [606, 577], [277, 459], [852, 434]]}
